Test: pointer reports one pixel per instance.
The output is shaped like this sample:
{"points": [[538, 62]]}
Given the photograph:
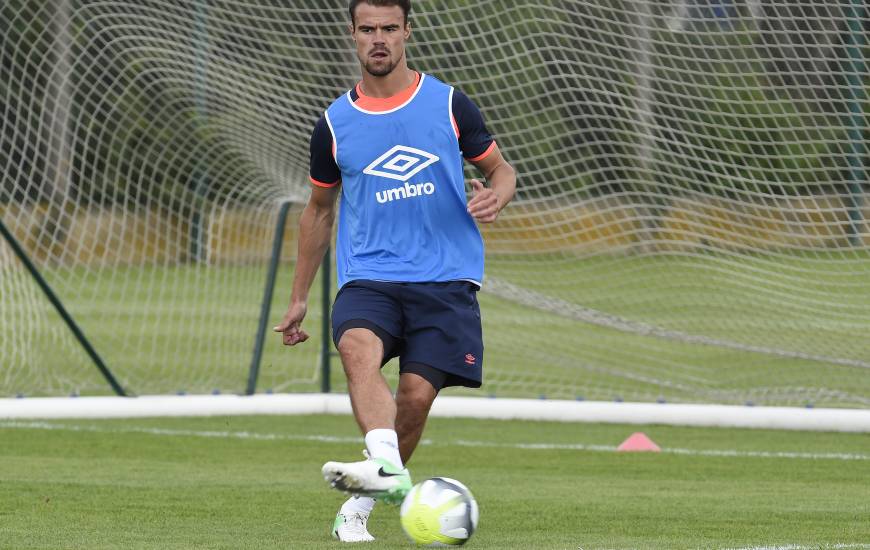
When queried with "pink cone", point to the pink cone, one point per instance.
{"points": [[638, 442]]}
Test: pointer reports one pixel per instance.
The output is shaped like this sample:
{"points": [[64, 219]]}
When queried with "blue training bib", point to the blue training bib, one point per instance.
{"points": [[403, 214]]}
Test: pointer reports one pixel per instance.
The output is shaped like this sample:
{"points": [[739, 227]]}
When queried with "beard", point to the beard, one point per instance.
{"points": [[380, 69]]}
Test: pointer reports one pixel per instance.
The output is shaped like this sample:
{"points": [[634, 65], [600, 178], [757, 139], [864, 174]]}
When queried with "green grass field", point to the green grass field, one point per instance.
{"points": [[254, 483]]}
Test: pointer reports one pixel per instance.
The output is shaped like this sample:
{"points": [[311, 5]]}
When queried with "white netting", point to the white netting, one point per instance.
{"points": [[689, 225]]}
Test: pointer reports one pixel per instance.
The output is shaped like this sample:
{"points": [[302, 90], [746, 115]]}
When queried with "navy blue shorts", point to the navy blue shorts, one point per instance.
{"points": [[433, 328]]}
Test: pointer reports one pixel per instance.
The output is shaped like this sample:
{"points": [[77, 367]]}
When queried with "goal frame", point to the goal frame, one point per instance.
{"points": [[673, 414]]}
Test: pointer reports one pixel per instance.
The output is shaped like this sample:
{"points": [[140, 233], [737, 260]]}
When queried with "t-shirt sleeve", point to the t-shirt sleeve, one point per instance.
{"points": [[475, 141], [323, 170]]}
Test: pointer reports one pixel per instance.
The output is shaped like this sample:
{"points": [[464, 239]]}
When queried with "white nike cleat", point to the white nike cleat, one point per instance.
{"points": [[375, 477], [351, 527]]}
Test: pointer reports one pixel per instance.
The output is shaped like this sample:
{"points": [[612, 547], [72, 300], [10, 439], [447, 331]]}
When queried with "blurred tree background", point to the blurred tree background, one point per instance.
{"points": [[716, 97]]}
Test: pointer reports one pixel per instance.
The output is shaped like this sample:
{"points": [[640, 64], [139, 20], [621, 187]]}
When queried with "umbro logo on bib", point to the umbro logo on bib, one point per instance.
{"points": [[405, 192], [401, 163]]}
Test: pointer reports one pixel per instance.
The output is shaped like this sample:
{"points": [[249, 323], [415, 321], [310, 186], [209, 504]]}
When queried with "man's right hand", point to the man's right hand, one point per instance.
{"points": [[291, 325]]}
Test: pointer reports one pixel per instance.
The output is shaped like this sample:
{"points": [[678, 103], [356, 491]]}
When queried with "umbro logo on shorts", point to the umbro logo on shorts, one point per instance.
{"points": [[470, 359], [401, 163]]}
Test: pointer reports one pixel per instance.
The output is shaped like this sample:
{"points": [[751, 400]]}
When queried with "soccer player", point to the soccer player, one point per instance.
{"points": [[409, 253]]}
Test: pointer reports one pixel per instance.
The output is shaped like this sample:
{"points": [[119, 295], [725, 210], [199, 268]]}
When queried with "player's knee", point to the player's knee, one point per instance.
{"points": [[417, 399], [360, 351]]}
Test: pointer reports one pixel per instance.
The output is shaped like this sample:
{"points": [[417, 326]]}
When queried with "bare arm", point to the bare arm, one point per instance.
{"points": [[487, 202], [315, 232]]}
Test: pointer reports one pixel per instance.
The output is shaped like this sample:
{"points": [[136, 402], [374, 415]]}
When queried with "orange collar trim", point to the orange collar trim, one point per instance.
{"points": [[380, 104]]}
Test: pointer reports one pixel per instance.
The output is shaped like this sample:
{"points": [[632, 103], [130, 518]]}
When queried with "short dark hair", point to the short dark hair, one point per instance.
{"points": [[404, 4]]}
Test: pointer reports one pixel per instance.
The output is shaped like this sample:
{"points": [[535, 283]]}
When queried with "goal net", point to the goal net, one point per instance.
{"points": [[690, 223]]}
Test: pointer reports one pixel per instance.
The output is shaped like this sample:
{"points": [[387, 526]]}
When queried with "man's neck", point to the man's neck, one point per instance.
{"points": [[389, 85]]}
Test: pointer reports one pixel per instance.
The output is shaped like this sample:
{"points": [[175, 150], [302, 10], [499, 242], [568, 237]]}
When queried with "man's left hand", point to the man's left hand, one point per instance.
{"points": [[485, 205]]}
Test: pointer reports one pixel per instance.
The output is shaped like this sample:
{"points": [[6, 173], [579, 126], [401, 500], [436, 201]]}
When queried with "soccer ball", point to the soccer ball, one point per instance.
{"points": [[439, 512]]}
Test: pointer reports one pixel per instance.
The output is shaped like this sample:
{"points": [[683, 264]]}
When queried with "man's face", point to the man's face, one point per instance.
{"points": [[380, 35]]}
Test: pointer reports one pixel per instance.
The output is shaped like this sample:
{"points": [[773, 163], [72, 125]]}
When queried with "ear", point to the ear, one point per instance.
{"points": [[408, 31], [351, 29]]}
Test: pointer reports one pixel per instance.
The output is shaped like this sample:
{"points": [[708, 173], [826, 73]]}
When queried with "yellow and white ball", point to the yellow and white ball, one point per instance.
{"points": [[439, 512]]}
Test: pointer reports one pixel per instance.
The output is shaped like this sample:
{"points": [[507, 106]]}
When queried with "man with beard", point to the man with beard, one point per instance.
{"points": [[409, 254]]}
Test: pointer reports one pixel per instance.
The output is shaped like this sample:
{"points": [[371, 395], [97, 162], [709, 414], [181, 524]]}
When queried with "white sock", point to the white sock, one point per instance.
{"points": [[357, 504], [383, 443]]}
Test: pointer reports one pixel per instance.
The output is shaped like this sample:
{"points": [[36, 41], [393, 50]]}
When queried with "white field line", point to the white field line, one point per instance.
{"points": [[458, 442]]}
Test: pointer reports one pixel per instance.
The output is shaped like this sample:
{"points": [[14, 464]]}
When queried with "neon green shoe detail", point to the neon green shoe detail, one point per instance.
{"points": [[339, 521], [402, 477]]}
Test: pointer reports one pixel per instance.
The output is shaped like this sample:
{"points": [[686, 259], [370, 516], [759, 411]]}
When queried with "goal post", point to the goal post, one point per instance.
{"points": [[690, 225]]}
